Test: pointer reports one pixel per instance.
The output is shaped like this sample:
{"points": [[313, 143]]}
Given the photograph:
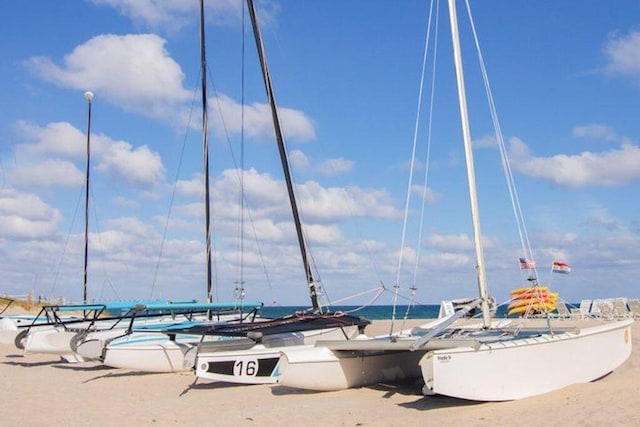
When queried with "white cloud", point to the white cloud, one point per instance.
{"points": [[298, 159], [138, 166], [49, 173], [132, 71], [595, 131], [623, 53], [323, 234], [25, 216], [448, 260], [191, 188], [487, 141], [334, 203], [450, 242], [59, 138], [267, 198], [226, 116], [428, 194], [337, 166], [155, 14], [126, 203], [606, 169], [131, 225], [173, 14]]}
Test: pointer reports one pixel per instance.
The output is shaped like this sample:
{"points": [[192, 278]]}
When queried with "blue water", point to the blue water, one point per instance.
{"points": [[373, 312]]}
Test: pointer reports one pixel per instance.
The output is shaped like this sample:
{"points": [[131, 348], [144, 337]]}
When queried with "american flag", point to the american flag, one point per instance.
{"points": [[560, 267], [526, 264]]}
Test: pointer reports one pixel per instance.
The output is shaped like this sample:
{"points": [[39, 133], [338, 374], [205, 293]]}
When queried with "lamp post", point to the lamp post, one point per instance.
{"points": [[89, 97]]}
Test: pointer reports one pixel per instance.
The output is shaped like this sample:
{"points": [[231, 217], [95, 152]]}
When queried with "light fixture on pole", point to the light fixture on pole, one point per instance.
{"points": [[89, 97]]}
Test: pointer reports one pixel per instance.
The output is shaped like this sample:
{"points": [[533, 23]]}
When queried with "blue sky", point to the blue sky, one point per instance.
{"points": [[566, 83]]}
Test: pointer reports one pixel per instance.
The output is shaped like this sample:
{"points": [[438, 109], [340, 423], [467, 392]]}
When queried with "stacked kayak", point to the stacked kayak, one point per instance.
{"points": [[532, 300]]}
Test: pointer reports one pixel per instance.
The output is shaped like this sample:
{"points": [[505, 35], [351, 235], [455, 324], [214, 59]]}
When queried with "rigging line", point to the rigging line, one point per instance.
{"points": [[411, 169], [408, 299], [173, 196], [66, 243], [235, 164], [205, 151], [515, 201], [239, 290], [99, 233], [261, 254], [379, 291], [2, 179], [107, 281], [428, 154], [283, 158], [411, 303]]}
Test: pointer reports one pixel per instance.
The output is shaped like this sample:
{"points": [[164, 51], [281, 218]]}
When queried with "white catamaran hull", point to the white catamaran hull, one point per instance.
{"points": [[59, 341], [10, 327], [91, 346], [152, 352], [8, 331], [255, 365], [322, 369], [525, 367], [51, 341], [259, 363]]}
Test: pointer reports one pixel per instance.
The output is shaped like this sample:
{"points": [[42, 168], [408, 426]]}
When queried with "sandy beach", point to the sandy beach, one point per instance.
{"points": [[39, 389]]}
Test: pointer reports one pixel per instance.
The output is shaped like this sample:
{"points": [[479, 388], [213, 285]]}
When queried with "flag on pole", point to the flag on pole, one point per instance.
{"points": [[526, 264], [560, 267]]}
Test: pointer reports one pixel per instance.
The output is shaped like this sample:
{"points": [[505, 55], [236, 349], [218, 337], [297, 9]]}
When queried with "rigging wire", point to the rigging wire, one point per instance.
{"points": [[66, 243], [425, 185], [515, 201], [99, 234], [378, 291], [173, 196], [396, 285], [246, 202], [239, 291]]}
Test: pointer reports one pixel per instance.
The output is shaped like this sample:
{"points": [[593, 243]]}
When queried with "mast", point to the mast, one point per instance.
{"points": [[283, 158], [468, 152], [89, 97], [205, 148]]}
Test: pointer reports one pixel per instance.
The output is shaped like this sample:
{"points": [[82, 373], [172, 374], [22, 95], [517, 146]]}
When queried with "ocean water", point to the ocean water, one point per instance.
{"points": [[372, 312]]}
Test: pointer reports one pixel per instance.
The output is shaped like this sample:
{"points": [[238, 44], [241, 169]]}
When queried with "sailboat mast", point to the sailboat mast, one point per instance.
{"points": [[468, 152], [283, 158], [89, 97], [205, 147]]}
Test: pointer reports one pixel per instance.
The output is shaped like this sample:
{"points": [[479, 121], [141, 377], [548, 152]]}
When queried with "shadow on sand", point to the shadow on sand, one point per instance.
{"points": [[388, 390], [32, 364]]}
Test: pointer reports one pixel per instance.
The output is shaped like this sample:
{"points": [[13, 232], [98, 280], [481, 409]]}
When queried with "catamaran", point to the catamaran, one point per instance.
{"points": [[151, 352], [141, 346], [76, 331], [253, 356], [491, 360], [122, 341]]}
